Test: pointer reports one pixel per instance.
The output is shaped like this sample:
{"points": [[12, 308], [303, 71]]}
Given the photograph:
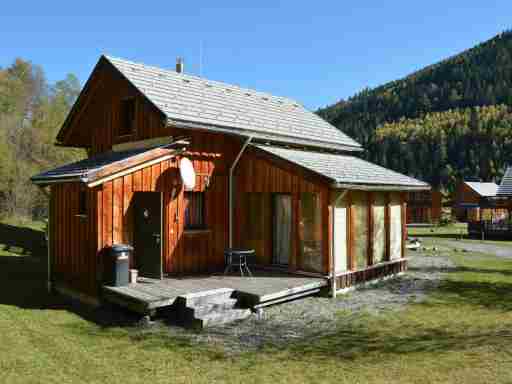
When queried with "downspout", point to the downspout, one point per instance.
{"points": [[48, 240], [231, 171], [333, 259]]}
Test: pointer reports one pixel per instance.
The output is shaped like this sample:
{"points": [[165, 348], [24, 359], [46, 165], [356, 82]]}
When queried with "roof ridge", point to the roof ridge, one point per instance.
{"points": [[203, 79]]}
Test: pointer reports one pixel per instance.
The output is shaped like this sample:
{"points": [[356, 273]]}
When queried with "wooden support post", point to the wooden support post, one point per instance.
{"points": [[350, 231], [403, 212], [330, 229], [387, 227], [371, 198]]}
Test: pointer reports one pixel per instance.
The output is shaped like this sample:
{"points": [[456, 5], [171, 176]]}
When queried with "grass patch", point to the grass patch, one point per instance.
{"points": [[461, 334], [440, 231], [451, 231]]}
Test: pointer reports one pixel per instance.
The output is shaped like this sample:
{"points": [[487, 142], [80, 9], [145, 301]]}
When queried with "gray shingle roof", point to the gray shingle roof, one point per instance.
{"points": [[87, 169], [505, 188], [186, 98], [483, 189], [346, 170]]}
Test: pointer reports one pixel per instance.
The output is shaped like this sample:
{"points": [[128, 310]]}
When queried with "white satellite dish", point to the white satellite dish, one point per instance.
{"points": [[188, 175]]}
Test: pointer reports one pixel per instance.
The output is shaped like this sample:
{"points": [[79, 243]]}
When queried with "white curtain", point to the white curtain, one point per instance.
{"points": [[282, 228]]}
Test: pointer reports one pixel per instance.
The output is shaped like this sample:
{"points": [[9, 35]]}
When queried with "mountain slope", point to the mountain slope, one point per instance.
{"points": [[480, 76]]}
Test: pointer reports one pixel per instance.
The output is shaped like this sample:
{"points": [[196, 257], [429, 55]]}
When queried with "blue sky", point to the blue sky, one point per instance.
{"points": [[315, 52]]}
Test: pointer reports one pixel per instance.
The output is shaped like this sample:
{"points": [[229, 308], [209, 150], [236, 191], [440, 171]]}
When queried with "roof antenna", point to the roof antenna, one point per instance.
{"points": [[200, 58]]}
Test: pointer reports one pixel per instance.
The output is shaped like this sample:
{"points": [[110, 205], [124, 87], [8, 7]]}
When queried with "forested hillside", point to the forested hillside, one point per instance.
{"points": [[419, 112], [31, 113]]}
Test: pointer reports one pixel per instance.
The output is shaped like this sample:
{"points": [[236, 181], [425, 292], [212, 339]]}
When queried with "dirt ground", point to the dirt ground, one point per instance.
{"points": [[502, 251]]}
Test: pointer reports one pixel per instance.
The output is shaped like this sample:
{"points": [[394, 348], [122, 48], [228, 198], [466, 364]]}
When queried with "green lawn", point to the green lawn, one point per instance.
{"points": [[462, 334], [451, 231]]}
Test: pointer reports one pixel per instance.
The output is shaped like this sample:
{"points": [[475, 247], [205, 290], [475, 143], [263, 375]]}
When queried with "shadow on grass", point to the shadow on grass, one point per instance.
{"points": [[23, 284], [353, 343], [23, 280], [356, 338], [491, 295], [22, 240]]}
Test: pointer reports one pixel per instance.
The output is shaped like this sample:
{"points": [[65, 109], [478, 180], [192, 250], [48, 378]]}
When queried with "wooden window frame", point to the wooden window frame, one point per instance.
{"points": [[195, 227], [83, 203], [122, 131]]}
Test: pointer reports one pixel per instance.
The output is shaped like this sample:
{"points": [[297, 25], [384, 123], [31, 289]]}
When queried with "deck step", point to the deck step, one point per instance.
{"points": [[220, 317], [209, 308], [213, 306], [204, 297]]}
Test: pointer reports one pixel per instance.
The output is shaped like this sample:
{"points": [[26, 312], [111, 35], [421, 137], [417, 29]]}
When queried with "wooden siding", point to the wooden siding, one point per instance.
{"points": [[78, 244], [424, 207], [183, 251], [378, 271], [96, 124], [73, 238], [465, 195]]}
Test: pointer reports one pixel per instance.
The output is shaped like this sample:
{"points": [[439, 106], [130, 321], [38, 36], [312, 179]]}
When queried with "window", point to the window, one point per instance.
{"points": [[127, 118], [360, 230], [194, 210], [310, 227], [82, 203]]}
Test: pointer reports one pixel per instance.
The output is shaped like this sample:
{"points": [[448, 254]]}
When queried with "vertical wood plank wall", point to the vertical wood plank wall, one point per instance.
{"points": [[79, 243], [97, 123], [424, 207], [73, 239], [183, 251]]}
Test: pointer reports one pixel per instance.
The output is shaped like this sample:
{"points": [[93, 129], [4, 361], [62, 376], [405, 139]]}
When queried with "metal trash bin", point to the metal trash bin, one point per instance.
{"points": [[117, 264]]}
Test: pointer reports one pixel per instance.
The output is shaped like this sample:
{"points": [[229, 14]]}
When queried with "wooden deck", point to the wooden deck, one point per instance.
{"points": [[264, 288]]}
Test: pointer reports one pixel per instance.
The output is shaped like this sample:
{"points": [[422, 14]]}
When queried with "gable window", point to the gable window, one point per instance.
{"points": [[82, 203], [194, 210], [127, 117]]}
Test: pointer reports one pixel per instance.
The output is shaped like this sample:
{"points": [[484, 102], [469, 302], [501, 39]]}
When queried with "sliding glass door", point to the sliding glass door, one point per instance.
{"points": [[282, 223]]}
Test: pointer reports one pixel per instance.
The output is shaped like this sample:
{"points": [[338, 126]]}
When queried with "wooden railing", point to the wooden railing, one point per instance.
{"points": [[489, 228]]}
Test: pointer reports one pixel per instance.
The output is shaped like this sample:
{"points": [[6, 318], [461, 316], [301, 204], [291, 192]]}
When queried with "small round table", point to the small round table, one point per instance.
{"points": [[237, 257]]}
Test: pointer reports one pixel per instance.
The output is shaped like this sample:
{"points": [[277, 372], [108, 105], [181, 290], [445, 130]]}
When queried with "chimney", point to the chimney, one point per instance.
{"points": [[179, 65]]}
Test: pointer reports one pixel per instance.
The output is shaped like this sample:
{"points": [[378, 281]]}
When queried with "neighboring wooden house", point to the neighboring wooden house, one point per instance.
{"points": [[270, 175], [469, 196], [505, 187], [424, 207], [497, 208]]}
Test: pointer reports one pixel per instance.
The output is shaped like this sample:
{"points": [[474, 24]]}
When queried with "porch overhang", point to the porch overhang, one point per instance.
{"points": [[96, 170], [342, 171]]}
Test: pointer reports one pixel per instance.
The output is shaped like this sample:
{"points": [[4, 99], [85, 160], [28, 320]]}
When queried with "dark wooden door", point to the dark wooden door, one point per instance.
{"points": [[147, 236]]}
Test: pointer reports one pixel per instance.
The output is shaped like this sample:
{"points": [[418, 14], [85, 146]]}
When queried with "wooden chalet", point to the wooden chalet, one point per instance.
{"points": [[424, 207], [270, 175], [495, 219], [471, 201]]}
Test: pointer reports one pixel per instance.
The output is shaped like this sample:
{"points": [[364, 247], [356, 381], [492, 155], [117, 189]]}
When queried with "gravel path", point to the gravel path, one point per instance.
{"points": [[313, 316], [492, 249]]}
